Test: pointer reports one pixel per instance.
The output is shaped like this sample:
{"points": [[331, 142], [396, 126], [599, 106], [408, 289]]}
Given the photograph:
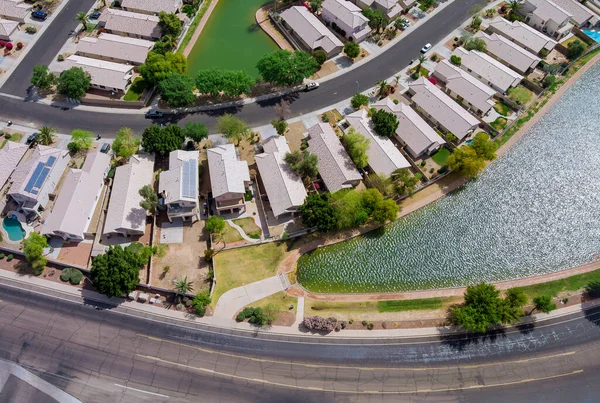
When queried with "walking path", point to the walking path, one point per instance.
{"points": [[235, 299], [200, 27], [241, 231]]}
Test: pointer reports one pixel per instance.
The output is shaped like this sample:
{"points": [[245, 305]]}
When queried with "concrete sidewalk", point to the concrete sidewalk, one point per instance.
{"points": [[234, 300]]}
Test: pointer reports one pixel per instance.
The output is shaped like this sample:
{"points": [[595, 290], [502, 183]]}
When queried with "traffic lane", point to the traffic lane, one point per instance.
{"points": [[47, 46]]}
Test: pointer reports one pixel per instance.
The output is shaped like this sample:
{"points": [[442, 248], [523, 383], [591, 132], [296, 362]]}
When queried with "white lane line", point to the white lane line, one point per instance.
{"points": [[140, 390]]}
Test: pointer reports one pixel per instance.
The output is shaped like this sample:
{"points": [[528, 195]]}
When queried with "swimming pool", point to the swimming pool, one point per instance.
{"points": [[595, 35], [13, 228]]}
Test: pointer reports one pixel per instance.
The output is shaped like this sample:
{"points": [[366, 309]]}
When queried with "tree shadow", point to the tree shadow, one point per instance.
{"points": [[461, 341], [592, 314], [254, 27], [271, 102]]}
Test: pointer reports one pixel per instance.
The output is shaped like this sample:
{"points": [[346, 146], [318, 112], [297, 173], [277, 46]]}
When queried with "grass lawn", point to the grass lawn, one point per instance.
{"points": [[501, 108], [499, 124], [16, 137], [134, 93], [249, 227], [520, 95], [237, 267], [412, 304], [195, 22], [327, 309], [441, 157], [553, 288], [231, 234], [573, 39], [91, 26], [279, 301]]}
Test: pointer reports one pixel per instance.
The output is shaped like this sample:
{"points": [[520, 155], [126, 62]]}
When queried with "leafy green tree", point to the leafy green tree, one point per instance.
{"points": [[484, 147], [359, 100], [150, 199], [195, 131], [303, 163], [177, 90], [381, 182], [116, 272], [125, 144], [377, 20], [476, 44], [82, 138], [351, 49], [466, 161], [280, 126], [215, 225], [83, 19], [351, 211], [201, 301], [455, 60], [593, 289], [283, 67], [575, 49], [371, 199], [74, 82], [315, 5], [543, 303], [320, 56], [384, 123], [232, 128], [232, 83], [476, 22], [42, 77], [46, 135], [33, 247], [158, 67], [404, 182], [169, 24], [386, 210], [162, 140], [515, 297], [357, 146], [317, 211]]}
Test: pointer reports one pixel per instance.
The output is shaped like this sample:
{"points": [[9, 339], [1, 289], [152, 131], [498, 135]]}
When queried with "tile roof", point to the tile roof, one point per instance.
{"points": [[284, 188], [508, 51], [310, 29], [131, 23], [384, 157], [172, 181], [7, 27], [579, 12], [523, 34], [488, 68], [227, 172], [465, 85], [78, 197], [25, 169], [442, 108], [346, 11], [548, 10], [116, 46], [124, 210], [412, 129], [107, 74], [152, 6], [335, 166], [14, 9], [10, 155], [391, 7]]}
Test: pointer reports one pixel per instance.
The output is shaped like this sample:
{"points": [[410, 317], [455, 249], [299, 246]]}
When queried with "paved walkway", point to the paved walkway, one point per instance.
{"points": [[263, 20], [241, 232], [200, 27], [234, 300]]}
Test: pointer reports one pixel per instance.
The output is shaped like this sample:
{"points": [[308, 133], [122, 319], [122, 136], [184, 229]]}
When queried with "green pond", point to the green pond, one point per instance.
{"points": [[231, 39], [533, 211]]}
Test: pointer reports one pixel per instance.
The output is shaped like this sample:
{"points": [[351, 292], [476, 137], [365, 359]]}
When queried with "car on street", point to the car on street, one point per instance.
{"points": [[95, 15], [311, 86], [32, 139], [39, 15], [425, 48], [105, 148], [154, 114]]}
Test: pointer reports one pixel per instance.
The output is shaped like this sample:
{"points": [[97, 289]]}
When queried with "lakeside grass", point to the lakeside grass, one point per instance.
{"points": [[279, 301], [190, 32], [553, 288], [441, 157], [411, 304]]}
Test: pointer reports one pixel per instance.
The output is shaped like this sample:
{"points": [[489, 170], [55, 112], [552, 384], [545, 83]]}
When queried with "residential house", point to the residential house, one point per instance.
{"points": [[115, 48], [335, 166], [522, 34], [407, 4], [384, 157], [34, 180], [14, 10], [310, 31], [72, 213], [284, 189], [104, 75], [580, 15], [488, 70], [348, 17], [509, 53], [441, 110], [10, 156], [229, 178], [548, 17], [7, 28], [390, 8], [466, 89], [125, 216], [178, 186], [130, 24], [151, 6], [413, 132]]}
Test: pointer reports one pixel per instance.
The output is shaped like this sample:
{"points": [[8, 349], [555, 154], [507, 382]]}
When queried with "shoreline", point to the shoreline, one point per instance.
{"points": [[289, 265], [190, 45], [264, 22]]}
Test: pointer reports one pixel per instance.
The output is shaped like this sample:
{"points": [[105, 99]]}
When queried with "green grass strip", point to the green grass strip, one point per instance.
{"points": [[410, 304], [553, 288], [190, 32]]}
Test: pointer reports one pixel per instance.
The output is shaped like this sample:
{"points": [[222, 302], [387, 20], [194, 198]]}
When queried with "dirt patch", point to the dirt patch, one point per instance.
{"points": [[294, 135], [329, 67], [75, 253]]}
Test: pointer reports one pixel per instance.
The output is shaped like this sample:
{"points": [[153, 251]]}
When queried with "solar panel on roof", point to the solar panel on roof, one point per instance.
{"points": [[34, 177], [189, 178], [40, 180], [51, 161]]}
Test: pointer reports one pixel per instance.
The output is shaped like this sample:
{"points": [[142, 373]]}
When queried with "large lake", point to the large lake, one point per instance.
{"points": [[535, 210]]}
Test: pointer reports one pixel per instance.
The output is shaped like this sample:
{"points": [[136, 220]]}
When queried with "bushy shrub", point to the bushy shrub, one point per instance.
{"points": [[593, 289], [10, 257], [38, 270], [19, 45], [320, 323], [71, 275], [9, 46], [320, 56], [2, 44], [1, 256], [200, 301], [31, 30], [257, 316], [60, 58], [457, 61]]}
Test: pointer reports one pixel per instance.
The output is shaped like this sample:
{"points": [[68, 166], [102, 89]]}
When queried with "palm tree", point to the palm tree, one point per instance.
{"points": [[514, 6], [422, 59], [183, 286], [46, 135], [82, 18], [382, 89], [397, 79]]}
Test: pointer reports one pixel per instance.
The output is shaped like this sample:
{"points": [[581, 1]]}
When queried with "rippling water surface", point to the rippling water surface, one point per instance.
{"points": [[535, 210]]}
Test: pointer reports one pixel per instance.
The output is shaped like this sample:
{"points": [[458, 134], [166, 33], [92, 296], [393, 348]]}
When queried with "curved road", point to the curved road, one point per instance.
{"points": [[109, 355], [329, 93]]}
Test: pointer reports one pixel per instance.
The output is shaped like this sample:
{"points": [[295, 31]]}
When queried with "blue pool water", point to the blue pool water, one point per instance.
{"points": [[594, 35], [13, 228], [469, 142]]}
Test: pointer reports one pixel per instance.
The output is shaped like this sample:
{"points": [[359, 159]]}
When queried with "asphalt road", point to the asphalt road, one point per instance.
{"points": [[329, 93], [109, 356]]}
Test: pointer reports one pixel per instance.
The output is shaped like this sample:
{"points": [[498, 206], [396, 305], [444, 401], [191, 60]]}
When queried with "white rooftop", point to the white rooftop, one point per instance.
{"points": [[180, 182], [310, 29], [10, 155], [227, 172], [7, 27], [131, 23], [14, 9], [152, 6], [549, 10], [523, 34], [508, 51], [107, 74], [579, 12], [116, 46], [488, 68], [47, 156], [346, 11]]}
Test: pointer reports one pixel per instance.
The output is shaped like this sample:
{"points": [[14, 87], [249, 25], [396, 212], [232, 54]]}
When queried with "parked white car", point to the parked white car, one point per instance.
{"points": [[425, 48]]}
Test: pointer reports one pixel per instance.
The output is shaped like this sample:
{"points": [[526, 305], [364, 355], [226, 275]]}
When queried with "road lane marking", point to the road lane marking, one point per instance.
{"points": [[265, 360], [140, 390], [360, 392]]}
